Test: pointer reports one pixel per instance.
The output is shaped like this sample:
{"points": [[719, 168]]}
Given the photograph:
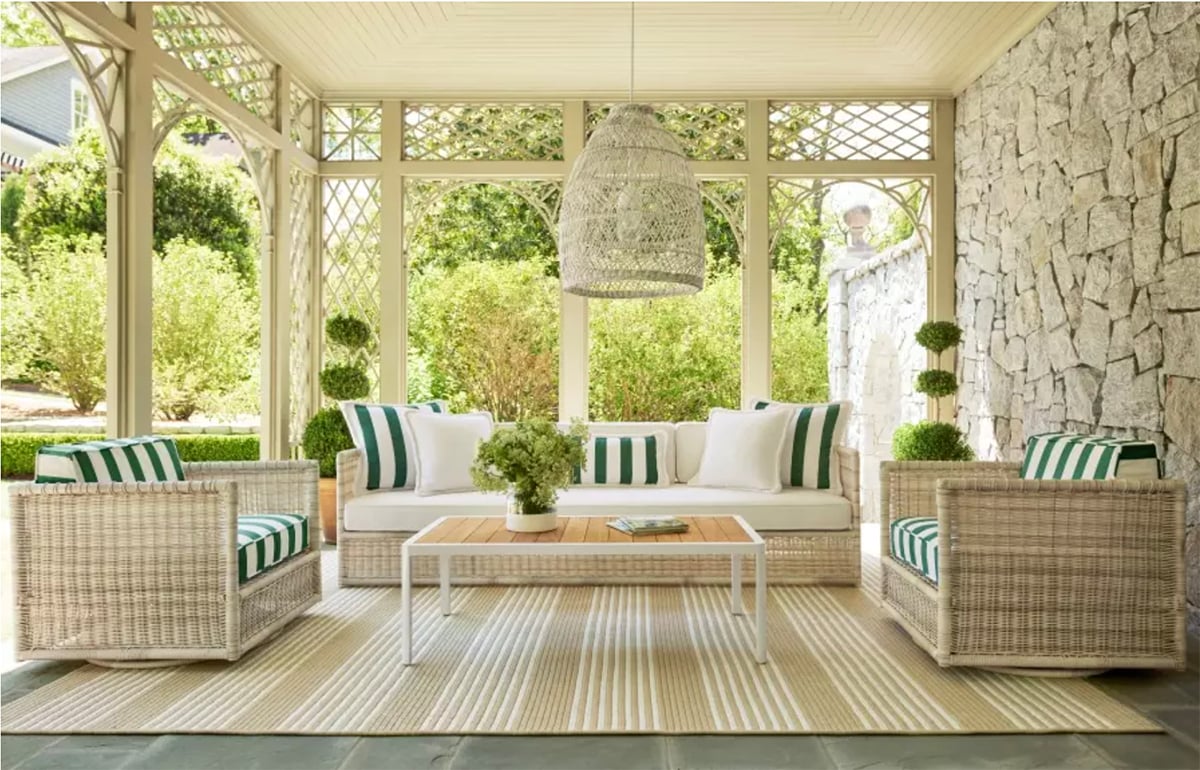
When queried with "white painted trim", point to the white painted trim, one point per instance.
{"points": [[21, 72]]}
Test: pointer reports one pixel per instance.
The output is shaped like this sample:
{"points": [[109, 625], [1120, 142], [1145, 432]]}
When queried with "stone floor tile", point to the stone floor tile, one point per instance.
{"points": [[600, 752], [15, 749], [244, 752], [30, 676], [1150, 688], [962, 752], [1145, 752], [747, 752], [54, 758], [1184, 722], [405, 752]]}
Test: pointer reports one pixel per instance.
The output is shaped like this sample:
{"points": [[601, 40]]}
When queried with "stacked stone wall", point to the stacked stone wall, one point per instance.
{"points": [[1078, 238]]}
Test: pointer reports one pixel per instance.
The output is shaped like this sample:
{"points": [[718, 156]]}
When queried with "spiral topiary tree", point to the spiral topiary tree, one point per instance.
{"points": [[929, 439], [344, 378]]}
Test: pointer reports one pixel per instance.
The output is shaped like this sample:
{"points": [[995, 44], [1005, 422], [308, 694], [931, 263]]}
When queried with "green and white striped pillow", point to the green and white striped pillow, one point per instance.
{"points": [[145, 458], [639, 461], [1077, 456], [379, 432], [814, 431]]}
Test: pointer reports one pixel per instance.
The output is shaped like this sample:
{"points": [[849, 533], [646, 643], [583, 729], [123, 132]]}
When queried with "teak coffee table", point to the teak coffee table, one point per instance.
{"points": [[587, 536]]}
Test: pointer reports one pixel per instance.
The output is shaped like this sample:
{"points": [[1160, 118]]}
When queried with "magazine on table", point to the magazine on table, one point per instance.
{"points": [[654, 525]]}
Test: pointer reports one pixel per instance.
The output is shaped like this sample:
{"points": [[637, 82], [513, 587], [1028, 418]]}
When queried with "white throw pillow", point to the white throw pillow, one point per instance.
{"points": [[741, 450], [445, 447]]}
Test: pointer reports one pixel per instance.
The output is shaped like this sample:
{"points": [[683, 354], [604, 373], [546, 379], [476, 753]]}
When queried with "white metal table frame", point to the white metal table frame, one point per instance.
{"points": [[735, 550]]}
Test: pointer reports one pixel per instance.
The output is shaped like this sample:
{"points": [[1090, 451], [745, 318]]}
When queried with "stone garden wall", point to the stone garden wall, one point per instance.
{"points": [[1078, 229], [875, 308]]}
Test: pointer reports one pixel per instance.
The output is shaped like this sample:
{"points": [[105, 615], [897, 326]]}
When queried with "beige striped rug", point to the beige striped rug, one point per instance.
{"points": [[551, 659]]}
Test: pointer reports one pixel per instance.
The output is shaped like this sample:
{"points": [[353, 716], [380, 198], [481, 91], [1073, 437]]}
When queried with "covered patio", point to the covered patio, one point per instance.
{"points": [[1038, 166]]}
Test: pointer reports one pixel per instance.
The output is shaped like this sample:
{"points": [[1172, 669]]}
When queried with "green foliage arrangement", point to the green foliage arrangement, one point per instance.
{"points": [[204, 322], [929, 440], [936, 383], [18, 320], [325, 435], [533, 459], [348, 332], [18, 450], [345, 382], [936, 336]]}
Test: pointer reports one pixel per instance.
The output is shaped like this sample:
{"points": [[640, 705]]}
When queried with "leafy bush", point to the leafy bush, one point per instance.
{"points": [[203, 323], [936, 336], [344, 382], [928, 440], [69, 301], [18, 324], [325, 435], [348, 332], [936, 383], [18, 450], [11, 197], [533, 458]]}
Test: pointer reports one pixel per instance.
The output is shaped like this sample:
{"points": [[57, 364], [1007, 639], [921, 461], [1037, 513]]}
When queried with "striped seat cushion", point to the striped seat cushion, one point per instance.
{"points": [[145, 458], [625, 460], [379, 432], [814, 431], [266, 539], [914, 541], [1076, 456]]}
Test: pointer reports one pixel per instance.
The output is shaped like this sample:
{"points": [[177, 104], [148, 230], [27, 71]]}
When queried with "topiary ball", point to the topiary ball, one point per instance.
{"points": [[936, 336], [325, 435], [349, 332], [344, 382], [928, 440], [936, 383]]}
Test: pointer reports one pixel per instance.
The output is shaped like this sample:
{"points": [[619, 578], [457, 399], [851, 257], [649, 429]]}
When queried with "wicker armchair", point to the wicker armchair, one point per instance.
{"points": [[144, 574], [1039, 577]]}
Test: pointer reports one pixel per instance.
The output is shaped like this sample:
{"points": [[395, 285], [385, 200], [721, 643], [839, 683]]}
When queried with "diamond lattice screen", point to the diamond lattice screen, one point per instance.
{"points": [[351, 131], [350, 255], [302, 124], [196, 34], [706, 130], [301, 325], [850, 131], [483, 131]]}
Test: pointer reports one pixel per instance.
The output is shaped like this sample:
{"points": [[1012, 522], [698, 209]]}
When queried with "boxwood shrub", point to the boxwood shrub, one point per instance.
{"points": [[18, 450]]}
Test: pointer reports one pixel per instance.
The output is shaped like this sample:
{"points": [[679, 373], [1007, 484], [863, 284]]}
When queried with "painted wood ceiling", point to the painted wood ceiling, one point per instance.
{"points": [[505, 50]]}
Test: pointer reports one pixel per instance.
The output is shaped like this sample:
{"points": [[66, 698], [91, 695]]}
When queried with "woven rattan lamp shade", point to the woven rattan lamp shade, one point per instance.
{"points": [[631, 222]]}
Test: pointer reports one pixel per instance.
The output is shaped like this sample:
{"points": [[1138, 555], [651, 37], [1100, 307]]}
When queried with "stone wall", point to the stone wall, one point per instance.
{"points": [[1078, 229], [875, 308]]}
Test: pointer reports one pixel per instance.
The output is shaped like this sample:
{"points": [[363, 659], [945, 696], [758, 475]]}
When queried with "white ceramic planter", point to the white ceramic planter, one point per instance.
{"points": [[538, 522]]}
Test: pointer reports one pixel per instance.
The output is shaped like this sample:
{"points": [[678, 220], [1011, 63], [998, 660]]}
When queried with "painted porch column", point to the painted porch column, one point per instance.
{"points": [[940, 283], [573, 341], [393, 267], [129, 387], [756, 263], [277, 294]]}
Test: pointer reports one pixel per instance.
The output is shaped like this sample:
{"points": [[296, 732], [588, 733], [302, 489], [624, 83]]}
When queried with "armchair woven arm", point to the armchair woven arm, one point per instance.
{"points": [[269, 486], [109, 570], [1090, 572], [848, 465], [348, 462]]}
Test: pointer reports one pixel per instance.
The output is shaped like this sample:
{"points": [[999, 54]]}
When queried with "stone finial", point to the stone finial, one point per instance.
{"points": [[857, 249]]}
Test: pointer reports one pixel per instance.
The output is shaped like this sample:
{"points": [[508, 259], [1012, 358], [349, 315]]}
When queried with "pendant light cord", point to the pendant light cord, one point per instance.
{"points": [[631, 48]]}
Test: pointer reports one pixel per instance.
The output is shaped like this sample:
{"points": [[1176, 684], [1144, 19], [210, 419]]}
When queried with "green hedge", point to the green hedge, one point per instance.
{"points": [[17, 450]]}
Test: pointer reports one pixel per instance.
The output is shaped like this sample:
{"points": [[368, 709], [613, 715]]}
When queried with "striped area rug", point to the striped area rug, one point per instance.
{"points": [[551, 659]]}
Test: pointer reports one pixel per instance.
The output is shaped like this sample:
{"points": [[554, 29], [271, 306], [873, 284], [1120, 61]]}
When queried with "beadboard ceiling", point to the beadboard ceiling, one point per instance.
{"points": [[505, 50]]}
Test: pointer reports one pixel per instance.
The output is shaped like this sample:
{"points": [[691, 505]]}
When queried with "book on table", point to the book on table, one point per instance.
{"points": [[655, 525]]}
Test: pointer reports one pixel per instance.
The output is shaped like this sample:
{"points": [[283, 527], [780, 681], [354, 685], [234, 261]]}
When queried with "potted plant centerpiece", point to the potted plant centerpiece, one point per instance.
{"points": [[530, 461]]}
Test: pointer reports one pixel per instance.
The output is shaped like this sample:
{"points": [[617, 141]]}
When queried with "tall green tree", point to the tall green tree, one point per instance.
{"points": [[21, 27]]}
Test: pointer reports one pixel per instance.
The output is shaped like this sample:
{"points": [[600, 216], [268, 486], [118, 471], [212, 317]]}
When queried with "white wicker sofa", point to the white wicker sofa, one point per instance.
{"points": [[812, 536]]}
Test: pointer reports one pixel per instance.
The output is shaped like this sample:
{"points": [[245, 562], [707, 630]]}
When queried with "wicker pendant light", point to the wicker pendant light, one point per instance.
{"points": [[631, 222]]}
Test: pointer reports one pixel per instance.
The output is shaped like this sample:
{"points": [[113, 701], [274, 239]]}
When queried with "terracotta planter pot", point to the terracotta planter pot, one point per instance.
{"points": [[328, 498]]}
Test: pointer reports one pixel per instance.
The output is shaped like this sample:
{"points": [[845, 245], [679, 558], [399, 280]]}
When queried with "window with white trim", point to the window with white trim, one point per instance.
{"points": [[81, 106]]}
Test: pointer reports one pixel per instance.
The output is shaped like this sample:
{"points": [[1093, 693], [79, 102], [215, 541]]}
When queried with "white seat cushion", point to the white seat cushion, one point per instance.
{"points": [[791, 509]]}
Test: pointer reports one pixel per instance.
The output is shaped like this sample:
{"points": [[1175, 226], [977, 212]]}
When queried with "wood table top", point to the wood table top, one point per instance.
{"points": [[581, 529]]}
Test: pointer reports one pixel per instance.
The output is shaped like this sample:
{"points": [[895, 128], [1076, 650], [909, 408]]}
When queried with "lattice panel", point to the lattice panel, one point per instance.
{"points": [[850, 131], [170, 106], [301, 321], [350, 254], [483, 132], [705, 130], [728, 198], [302, 121], [102, 68], [351, 131], [197, 35]]}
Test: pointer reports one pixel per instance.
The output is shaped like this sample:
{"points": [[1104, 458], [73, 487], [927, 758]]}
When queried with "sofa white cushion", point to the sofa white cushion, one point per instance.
{"points": [[689, 448], [790, 509], [445, 448], [742, 450]]}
